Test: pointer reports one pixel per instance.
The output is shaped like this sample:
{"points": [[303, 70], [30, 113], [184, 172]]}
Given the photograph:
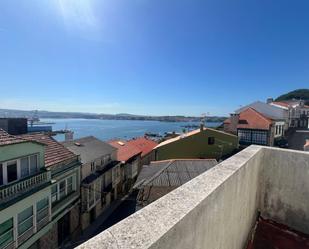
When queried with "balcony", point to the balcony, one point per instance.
{"points": [[220, 208], [15, 189]]}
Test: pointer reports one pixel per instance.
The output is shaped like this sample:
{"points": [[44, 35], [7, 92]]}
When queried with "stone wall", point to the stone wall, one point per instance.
{"points": [[75, 227], [50, 239]]}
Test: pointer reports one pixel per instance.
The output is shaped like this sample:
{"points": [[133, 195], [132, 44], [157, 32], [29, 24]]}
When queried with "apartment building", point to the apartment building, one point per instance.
{"points": [[130, 158], [39, 192], [202, 143], [100, 176], [146, 146], [297, 112]]}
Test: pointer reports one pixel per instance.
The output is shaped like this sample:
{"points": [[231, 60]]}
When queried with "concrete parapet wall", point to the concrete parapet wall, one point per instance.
{"points": [[285, 188], [214, 210], [218, 209]]}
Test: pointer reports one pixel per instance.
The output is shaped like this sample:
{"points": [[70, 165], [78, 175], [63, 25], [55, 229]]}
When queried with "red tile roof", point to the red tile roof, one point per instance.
{"points": [[54, 151], [143, 144], [284, 104], [7, 139], [125, 150], [251, 119]]}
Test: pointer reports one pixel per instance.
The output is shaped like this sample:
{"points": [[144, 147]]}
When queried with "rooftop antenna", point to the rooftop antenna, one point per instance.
{"points": [[203, 119]]}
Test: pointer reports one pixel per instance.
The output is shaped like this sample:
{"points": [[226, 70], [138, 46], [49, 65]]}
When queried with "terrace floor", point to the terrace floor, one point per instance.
{"points": [[271, 235]]}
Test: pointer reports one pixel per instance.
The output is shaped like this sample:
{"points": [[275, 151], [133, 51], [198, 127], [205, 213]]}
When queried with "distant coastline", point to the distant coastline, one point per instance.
{"points": [[123, 116]]}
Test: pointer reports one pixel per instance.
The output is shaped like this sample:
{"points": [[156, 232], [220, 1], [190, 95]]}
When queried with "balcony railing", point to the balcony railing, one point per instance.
{"points": [[15, 189]]}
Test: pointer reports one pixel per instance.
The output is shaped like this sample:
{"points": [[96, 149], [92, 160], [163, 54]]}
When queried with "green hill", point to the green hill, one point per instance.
{"points": [[296, 94]]}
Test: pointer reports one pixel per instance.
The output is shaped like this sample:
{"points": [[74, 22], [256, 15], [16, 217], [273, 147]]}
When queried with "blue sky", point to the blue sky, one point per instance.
{"points": [[154, 57]]}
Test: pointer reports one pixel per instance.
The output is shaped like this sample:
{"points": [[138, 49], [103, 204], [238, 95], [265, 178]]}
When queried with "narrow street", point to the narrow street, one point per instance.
{"points": [[122, 209], [125, 209]]}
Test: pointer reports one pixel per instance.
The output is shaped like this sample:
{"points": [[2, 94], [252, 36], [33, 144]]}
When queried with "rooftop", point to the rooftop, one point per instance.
{"points": [[7, 139], [55, 152], [173, 172], [220, 207], [161, 177], [126, 151], [188, 134], [252, 119], [89, 148], [143, 144], [269, 111]]}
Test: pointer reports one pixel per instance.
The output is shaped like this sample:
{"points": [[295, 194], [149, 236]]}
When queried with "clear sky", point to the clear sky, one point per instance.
{"points": [[150, 56]]}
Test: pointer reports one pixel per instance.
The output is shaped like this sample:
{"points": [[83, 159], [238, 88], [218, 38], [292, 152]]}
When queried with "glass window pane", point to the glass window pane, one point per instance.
{"points": [[70, 179], [24, 166], [42, 204], [1, 175], [42, 214], [6, 226], [6, 238], [12, 172], [54, 189], [62, 189], [25, 214], [33, 164], [26, 225]]}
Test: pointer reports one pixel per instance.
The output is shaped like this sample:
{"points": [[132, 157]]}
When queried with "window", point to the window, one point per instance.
{"points": [[25, 221], [33, 164], [244, 136], [92, 166], [24, 167], [211, 140], [1, 175], [69, 185], [42, 209], [54, 193], [91, 194], [259, 137], [62, 189], [98, 190], [6, 233], [12, 171]]}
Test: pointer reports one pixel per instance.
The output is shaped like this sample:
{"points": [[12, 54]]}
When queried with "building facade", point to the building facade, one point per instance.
{"points": [[298, 112], [203, 143], [147, 147], [64, 193], [130, 158], [253, 127], [100, 176], [29, 211]]}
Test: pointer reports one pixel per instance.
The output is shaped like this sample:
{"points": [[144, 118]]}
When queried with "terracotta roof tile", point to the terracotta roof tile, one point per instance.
{"points": [[143, 144], [125, 150], [54, 151], [251, 119], [6, 139]]}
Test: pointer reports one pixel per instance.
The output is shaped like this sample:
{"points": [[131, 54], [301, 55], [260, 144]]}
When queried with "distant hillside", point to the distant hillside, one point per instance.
{"points": [[121, 116], [297, 94]]}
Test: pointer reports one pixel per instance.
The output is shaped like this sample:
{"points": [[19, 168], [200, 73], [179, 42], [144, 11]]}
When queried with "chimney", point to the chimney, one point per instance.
{"points": [[201, 127], [301, 103], [234, 122], [269, 100]]}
